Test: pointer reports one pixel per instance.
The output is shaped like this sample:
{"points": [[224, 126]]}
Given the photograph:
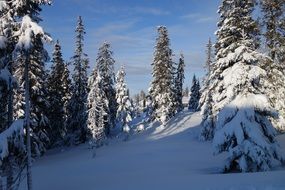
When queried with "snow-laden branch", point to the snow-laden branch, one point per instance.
{"points": [[28, 30], [15, 129]]}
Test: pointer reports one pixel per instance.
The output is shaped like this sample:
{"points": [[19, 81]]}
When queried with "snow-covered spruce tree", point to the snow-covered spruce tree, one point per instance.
{"points": [[57, 92], [77, 126], [29, 47], [194, 95], [208, 127], [13, 152], [215, 71], [97, 110], [209, 62], [274, 22], [125, 108], [179, 80], [242, 127], [7, 46], [11, 140], [7, 83], [161, 89], [206, 101], [105, 67], [66, 84], [207, 67], [38, 94], [275, 90]]}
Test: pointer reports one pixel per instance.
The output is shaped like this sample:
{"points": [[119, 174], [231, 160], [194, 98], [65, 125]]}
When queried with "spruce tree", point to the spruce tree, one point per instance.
{"points": [[209, 64], [38, 96], [206, 101], [8, 40], [194, 95], [241, 108], [207, 130], [105, 68], [22, 36], [179, 80], [31, 55], [161, 89], [77, 126], [57, 95], [274, 22], [66, 84], [97, 110], [125, 108]]}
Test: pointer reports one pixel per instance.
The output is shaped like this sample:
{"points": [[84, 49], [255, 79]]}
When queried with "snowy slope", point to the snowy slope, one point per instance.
{"points": [[169, 157]]}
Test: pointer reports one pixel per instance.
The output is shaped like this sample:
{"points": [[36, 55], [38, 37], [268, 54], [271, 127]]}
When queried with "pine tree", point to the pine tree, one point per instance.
{"points": [[179, 80], [97, 110], [105, 67], [77, 126], [125, 107], [57, 95], [242, 108], [161, 89], [194, 95]]}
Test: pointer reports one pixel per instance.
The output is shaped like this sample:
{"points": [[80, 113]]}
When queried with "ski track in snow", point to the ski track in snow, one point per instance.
{"points": [[166, 158]]}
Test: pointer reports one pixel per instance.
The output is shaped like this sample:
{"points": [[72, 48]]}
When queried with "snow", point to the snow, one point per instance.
{"points": [[15, 128], [167, 158], [3, 5], [3, 41], [126, 129], [27, 31], [6, 76], [240, 132], [140, 128]]}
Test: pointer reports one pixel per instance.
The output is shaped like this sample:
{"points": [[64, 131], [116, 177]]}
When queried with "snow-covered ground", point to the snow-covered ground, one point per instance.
{"points": [[169, 157]]}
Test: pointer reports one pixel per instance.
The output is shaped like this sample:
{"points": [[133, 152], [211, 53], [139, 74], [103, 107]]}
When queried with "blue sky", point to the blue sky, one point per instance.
{"points": [[130, 27]]}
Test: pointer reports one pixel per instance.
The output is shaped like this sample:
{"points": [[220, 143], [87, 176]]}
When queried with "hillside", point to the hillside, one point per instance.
{"points": [[169, 157]]}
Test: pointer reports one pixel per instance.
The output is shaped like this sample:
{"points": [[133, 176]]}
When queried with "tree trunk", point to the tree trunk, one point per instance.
{"points": [[27, 122]]}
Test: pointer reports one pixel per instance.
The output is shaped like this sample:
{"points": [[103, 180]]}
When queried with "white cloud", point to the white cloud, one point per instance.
{"points": [[101, 7], [150, 10], [115, 27], [191, 16], [206, 19], [199, 18]]}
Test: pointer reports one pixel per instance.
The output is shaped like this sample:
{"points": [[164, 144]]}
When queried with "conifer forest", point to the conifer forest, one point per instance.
{"points": [[105, 95]]}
